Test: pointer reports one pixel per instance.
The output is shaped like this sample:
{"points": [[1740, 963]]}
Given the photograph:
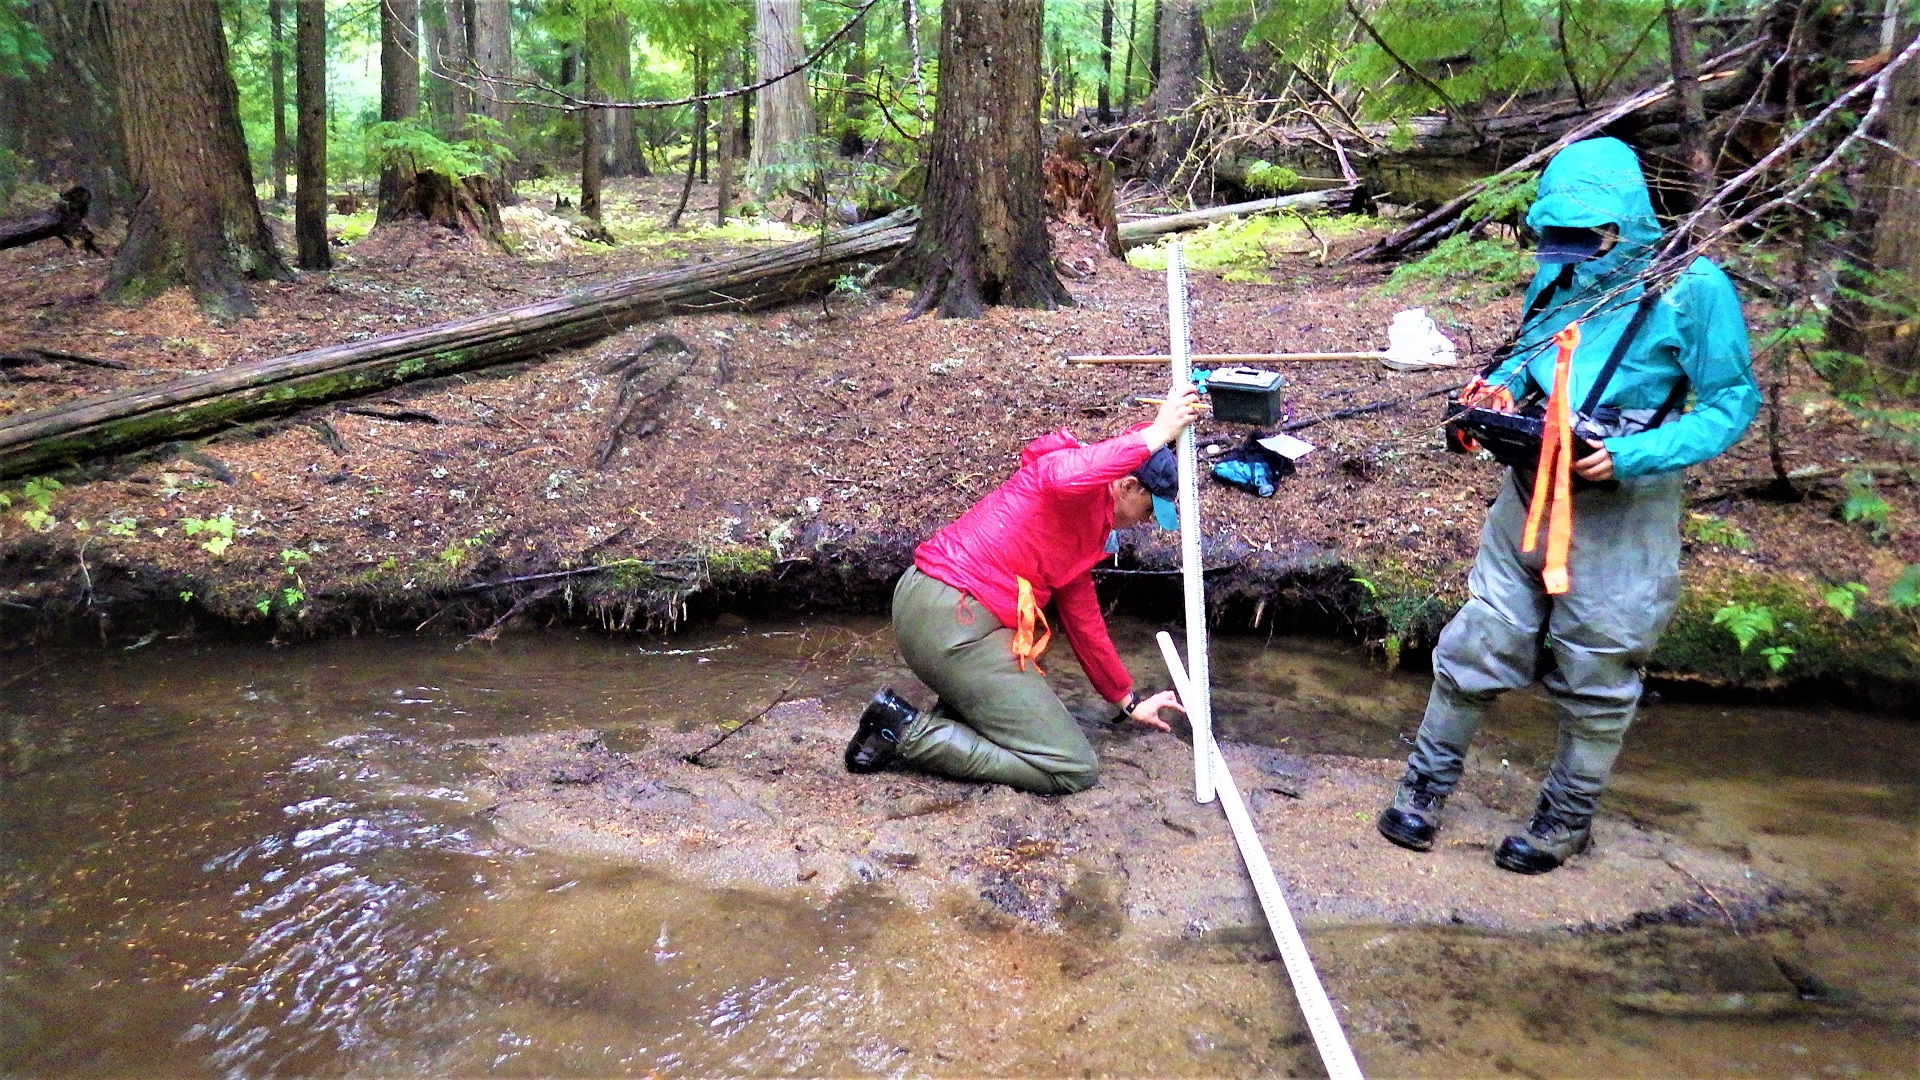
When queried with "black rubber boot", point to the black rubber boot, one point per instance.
{"points": [[1549, 841], [882, 726], [1415, 814]]}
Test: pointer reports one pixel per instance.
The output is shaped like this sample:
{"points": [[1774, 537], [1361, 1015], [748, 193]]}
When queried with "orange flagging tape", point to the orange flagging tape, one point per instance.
{"points": [[1025, 646], [1553, 494]]}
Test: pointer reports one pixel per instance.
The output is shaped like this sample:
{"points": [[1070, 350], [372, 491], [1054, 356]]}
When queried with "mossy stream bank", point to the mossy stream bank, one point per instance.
{"points": [[1870, 660]]}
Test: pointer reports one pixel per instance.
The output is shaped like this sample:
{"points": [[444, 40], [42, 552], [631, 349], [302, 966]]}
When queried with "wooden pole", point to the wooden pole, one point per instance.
{"points": [[1221, 358]]}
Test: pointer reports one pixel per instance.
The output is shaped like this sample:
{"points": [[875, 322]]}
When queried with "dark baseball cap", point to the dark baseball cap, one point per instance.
{"points": [[1160, 475], [1561, 244]]}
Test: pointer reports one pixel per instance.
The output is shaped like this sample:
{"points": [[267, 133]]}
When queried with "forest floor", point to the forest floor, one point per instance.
{"points": [[798, 455]]}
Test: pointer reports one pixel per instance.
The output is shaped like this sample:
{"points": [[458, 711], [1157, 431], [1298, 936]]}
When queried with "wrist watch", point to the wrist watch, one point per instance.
{"points": [[1131, 703]]}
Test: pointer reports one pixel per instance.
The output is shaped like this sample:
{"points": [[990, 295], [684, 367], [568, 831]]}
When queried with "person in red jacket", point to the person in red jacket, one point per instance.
{"points": [[970, 618]]}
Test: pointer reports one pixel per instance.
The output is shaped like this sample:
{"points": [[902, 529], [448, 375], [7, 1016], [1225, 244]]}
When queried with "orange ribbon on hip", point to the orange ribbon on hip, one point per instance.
{"points": [[1025, 646], [1553, 478]]}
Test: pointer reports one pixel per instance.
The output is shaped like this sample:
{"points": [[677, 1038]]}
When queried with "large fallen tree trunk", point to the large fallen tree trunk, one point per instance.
{"points": [[1135, 233], [1433, 227], [66, 221], [132, 419]]}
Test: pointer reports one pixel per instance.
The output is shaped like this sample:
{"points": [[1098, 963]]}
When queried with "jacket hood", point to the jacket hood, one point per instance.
{"points": [[1047, 444], [1598, 182]]}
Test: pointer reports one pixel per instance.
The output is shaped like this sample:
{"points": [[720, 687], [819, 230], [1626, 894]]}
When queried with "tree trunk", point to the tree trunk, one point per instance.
{"points": [[1177, 83], [64, 119], [1692, 114], [1884, 325], [1133, 35], [625, 158], [700, 110], [492, 40], [310, 139], [983, 239], [399, 89], [590, 124], [1106, 62], [729, 139], [852, 143], [277, 75], [143, 416], [455, 43], [196, 222], [442, 100], [783, 113]]}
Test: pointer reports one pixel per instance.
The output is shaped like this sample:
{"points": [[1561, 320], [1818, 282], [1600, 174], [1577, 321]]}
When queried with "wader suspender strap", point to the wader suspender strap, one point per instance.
{"points": [[1640, 314], [1674, 401]]}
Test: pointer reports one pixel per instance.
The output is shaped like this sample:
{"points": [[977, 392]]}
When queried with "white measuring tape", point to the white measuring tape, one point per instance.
{"points": [[1210, 773], [1314, 1005], [1200, 704]]}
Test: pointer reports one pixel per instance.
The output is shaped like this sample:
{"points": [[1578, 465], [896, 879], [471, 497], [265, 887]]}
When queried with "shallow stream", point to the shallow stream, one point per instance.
{"points": [[231, 858]]}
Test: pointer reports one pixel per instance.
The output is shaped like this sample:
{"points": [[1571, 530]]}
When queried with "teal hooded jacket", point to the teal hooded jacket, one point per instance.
{"points": [[1695, 331]]}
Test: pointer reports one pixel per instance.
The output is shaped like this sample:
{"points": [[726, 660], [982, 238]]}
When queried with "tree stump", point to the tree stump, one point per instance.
{"points": [[66, 221], [466, 205]]}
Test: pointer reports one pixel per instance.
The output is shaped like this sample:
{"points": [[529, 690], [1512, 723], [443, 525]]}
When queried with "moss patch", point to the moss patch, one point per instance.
{"points": [[1876, 645]]}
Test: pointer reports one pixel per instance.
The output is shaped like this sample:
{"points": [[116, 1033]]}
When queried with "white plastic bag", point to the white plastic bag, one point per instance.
{"points": [[1414, 343]]}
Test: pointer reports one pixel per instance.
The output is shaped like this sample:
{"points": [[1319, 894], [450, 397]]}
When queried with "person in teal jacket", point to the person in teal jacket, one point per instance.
{"points": [[1597, 235]]}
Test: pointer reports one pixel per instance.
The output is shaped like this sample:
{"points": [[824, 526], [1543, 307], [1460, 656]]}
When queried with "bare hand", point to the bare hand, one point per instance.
{"points": [[1181, 408], [1597, 466], [1148, 710]]}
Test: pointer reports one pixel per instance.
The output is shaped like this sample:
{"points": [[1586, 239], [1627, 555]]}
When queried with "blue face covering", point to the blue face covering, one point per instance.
{"points": [[1166, 514]]}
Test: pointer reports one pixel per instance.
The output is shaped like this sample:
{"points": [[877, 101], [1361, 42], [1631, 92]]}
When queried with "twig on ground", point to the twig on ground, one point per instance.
{"points": [[1359, 410], [847, 650]]}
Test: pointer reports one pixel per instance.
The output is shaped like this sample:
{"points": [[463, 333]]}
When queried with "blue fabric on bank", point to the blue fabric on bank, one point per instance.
{"points": [[1696, 331], [1253, 476]]}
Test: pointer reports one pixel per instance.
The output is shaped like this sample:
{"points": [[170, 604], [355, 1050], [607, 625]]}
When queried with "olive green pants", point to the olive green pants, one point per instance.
{"points": [[993, 722], [1625, 570]]}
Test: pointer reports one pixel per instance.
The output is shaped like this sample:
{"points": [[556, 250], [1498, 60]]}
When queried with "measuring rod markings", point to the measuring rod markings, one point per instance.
{"points": [[1322, 1023], [1199, 703]]}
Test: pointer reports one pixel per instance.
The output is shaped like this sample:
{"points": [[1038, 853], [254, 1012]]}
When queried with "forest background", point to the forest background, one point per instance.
{"points": [[1781, 137]]}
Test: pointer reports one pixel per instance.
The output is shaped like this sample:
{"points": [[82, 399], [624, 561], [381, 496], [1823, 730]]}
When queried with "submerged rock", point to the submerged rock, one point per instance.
{"points": [[774, 810]]}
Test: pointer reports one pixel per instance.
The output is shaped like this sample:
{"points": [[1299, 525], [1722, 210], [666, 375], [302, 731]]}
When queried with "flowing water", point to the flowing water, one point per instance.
{"points": [[235, 859]]}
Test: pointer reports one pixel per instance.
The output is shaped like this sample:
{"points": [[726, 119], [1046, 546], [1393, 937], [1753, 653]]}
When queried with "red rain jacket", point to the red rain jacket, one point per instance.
{"points": [[1048, 523]]}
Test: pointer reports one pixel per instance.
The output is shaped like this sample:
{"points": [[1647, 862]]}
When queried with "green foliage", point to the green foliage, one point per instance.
{"points": [[1403, 603], [409, 144], [21, 50], [1904, 594], [1476, 50], [218, 532], [1506, 199], [1715, 531], [1844, 598], [1747, 623], [1878, 643], [39, 491], [1464, 266], [1243, 248], [1864, 504], [1264, 177]]}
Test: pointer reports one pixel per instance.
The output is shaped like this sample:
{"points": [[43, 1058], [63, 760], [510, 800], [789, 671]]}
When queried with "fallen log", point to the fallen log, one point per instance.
{"points": [[131, 419], [66, 221], [1433, 227], [1136, 233]]}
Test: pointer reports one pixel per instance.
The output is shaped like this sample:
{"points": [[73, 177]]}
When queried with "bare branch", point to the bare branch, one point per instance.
{"points": [[1453, 109]]}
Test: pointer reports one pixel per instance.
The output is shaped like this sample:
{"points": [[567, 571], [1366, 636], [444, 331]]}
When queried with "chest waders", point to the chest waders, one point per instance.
{"points": [[1585, 644]]}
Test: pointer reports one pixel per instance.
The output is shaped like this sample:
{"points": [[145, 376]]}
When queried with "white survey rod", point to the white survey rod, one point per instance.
{"points": [[1199, 703], [1322, 1022]]}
